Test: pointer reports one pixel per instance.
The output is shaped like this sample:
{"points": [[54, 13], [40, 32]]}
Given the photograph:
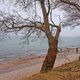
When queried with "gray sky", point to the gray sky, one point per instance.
{"points": [[71, 32], [65, 32]]}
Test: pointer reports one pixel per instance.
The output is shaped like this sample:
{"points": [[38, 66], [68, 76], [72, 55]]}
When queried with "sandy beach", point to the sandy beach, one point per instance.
{"points": [[23, 66]]}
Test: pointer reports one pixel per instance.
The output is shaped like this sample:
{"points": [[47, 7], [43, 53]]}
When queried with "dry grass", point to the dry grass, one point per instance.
{"points": [[70, 71]]}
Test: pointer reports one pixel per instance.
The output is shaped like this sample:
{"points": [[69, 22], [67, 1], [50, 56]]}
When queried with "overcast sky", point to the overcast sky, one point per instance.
{"points": [[65, 32], [71, 32]]}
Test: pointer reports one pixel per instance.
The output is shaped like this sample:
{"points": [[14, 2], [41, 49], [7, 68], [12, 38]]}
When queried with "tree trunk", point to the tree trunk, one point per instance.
{"points": [[51, 55], [52, 41]]}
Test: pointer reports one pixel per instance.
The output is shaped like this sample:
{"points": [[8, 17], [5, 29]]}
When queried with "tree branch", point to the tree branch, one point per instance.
{"points": [[48, 7], [36, 25], [58, 32], [71, 3]]}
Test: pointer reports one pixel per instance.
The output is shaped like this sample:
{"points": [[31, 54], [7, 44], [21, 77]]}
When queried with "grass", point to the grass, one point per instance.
{"points": [[69, 71]]}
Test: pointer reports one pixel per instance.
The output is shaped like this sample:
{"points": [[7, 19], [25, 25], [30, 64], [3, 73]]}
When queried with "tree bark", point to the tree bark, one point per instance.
{"points": [[51, 55], [52, 41]]}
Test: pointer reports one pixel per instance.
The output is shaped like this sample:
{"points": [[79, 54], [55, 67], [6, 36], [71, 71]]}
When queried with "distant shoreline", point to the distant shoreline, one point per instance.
{"points": [[11, 57]]}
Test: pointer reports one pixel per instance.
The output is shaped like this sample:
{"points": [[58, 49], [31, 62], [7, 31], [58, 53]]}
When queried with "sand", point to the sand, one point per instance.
{"points": [[18, 69]]}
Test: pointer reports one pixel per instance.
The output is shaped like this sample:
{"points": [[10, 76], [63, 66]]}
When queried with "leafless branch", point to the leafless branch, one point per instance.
{"points": [[48, 7], [71, 3]]}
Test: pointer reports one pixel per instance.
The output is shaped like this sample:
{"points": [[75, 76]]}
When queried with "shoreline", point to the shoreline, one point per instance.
{"points": [[16, 70], [12, 57], [20, 61], [27, 58]]}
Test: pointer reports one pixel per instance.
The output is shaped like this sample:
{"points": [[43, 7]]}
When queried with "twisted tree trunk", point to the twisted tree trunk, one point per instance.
{"points": [[51, 55]]}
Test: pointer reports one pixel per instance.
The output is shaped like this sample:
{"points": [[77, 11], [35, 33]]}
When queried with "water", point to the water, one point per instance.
{"points": [[69, 42], [10, 48]]}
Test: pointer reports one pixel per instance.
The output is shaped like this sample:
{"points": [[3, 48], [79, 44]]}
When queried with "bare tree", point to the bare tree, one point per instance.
{"points": [[72, 9], [34, 23]]}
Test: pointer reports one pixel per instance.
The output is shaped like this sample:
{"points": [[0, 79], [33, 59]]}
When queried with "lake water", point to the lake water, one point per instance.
{"points": [[13, 47]]}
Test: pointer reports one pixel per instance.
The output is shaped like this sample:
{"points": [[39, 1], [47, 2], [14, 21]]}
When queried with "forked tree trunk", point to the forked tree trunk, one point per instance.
{"points": [[52, 41], [51, 56]]}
